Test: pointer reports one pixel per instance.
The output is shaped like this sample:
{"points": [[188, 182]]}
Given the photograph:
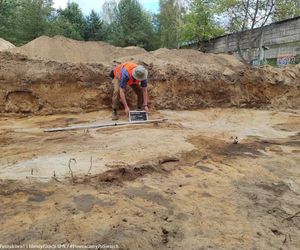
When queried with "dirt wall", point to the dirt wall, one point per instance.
{"points": [[43, 87]]}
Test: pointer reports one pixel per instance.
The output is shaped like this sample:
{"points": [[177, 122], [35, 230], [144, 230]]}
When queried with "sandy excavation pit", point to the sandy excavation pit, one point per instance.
{"points": [[181, 184], [218, 194]]}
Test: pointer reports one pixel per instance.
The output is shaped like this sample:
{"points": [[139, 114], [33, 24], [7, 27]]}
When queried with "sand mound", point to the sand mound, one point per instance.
{"points": [[168, 63], [63, 49], [5, 45], [195, 57]]}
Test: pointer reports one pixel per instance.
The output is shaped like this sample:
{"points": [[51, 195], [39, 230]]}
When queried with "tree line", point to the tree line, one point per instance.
{"points": [[126, 23]]}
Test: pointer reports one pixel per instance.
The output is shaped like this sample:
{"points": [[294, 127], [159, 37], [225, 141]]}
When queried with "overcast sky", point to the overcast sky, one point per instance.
{"points": [[88, 5]]}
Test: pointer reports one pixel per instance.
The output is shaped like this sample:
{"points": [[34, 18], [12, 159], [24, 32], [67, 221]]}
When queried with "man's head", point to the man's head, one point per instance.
{"points": [[140, 73]]}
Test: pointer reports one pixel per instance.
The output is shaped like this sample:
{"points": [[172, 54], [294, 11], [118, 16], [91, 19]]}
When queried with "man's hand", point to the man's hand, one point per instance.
{"points": [[146, 108], [127, 110]]}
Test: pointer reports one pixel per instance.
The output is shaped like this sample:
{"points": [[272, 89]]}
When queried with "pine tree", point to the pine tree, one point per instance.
{"points": [[132, 26], [32, 19], [95, 30], [8, 17], [70, 22]]}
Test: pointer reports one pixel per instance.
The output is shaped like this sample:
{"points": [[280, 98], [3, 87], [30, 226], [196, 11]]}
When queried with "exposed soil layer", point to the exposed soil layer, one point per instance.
{"points": [[210, 179], [183, 80]]}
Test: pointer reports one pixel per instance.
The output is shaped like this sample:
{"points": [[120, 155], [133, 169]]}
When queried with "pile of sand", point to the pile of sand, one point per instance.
{"points": [[187, 60], [5, 45], [62, 49], [195, 57]]}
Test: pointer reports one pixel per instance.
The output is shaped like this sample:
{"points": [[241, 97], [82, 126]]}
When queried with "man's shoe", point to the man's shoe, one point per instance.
{"points": [[115, 116]]}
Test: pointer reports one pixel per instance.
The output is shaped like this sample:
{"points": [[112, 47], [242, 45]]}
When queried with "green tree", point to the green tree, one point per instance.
{"points": [[170, 19], [24, 20], [70, 22], [156, 41], [32, 19], [109, 10], [285, 9], [199, 24], [8, 17], [131, 25], [61, 26], [96, 29]]}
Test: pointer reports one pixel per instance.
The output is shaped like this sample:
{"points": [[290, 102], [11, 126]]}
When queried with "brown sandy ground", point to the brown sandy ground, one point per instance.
{"points": [[5, 45], [182, 184]]}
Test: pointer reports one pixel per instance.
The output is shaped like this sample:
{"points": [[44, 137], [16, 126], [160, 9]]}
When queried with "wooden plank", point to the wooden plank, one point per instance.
{"points": [[102, 125]]}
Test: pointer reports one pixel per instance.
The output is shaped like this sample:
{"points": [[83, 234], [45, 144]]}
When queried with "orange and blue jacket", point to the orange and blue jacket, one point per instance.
{"points": [[123, 73]]}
